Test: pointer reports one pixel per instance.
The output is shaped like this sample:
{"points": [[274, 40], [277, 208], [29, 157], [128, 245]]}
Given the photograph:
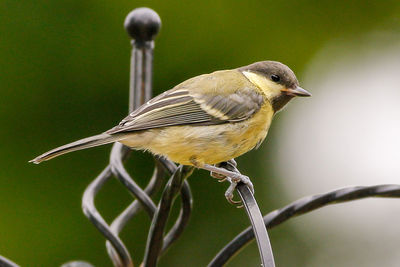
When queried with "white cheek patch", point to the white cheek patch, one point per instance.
{"points": [[268, 87]]}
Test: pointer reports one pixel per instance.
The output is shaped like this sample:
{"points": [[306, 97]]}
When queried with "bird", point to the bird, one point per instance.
{"points": [[206, 120]]}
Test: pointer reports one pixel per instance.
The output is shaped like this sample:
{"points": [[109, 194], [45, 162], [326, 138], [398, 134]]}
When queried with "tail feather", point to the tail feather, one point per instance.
{"points": [[92, 141]]}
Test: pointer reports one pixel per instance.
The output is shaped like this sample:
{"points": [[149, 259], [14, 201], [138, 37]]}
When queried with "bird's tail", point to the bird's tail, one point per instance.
{"points": [[92, 141]]}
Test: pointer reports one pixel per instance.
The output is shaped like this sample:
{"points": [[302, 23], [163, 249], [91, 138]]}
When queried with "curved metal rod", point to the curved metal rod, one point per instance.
{"points": [[119, 223], [186, 209], [162, 166], [258, 226], [90, 211], [4, 262], [151, 188], [119, 171], [155, 237], [302, 206], [119, 255], [142, 25], [183, 218]]}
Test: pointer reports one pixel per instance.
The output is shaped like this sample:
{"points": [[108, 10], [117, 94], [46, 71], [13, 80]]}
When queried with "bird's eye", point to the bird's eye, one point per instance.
{"points": [[275, 78]]}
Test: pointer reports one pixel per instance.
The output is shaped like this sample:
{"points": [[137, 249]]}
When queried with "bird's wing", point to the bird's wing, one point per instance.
{"points": [[180, 106]]}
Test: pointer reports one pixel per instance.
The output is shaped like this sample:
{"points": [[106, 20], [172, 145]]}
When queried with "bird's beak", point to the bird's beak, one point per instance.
{"points": [[298, 91]]}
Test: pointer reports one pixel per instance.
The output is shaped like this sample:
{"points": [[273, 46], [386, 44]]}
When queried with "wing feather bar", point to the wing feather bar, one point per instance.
{"points": [[179, 107], [176, 108], [172, 111], [233, 107]]}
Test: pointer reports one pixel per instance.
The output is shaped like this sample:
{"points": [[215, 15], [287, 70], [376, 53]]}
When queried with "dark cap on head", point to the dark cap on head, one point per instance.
{"points": [[268, 68]]}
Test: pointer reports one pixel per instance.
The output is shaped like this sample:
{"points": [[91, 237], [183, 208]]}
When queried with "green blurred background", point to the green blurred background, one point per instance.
{"points": [[64, 76]]}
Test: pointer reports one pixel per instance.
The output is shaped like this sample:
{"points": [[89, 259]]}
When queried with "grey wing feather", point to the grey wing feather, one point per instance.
{"points": [[234, 107], [179, 107]]}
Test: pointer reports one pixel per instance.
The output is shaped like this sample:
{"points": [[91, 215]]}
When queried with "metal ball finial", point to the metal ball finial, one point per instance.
{"points": [[142, 24]]}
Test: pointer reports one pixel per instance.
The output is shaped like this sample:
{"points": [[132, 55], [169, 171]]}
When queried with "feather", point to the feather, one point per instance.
{"points": [[188, 104]]}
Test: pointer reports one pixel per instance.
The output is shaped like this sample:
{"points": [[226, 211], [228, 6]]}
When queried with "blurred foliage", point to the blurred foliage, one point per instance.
{"points": [[64, 76]]}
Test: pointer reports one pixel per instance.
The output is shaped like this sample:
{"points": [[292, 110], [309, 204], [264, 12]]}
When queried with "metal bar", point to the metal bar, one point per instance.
{"points": [[258, 226], [183, 218], [89, 209], [152, 187], [142, 24], [119, 223], [155, 237], [4, 262], [186, 209], [254, 214], [119, 171], [302, 206]]}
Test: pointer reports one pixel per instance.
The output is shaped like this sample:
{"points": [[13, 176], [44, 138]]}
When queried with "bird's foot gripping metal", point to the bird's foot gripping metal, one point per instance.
{"points": [[229, 165], [240, 178], [228, 171]]}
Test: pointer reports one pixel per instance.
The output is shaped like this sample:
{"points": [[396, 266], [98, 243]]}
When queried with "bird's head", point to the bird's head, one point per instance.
{"points": [[276, 80]]}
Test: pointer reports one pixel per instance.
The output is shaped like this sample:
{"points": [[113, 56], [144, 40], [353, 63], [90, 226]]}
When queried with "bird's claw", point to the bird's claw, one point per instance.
{"points": [[228, 171], [229, 195], [229, 165], [240, 178]]}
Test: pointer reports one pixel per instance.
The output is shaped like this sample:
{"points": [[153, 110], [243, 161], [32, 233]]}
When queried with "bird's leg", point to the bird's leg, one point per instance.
{"points": [[232, 174], [229, 165]]}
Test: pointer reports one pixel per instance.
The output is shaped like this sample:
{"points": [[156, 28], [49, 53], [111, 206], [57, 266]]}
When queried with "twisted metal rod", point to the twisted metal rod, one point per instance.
{"points": [[186, 207], [119, 223], [182, 220], [117, 250], [117, 168], [162, 166], [155, 239], [151, 188], [142, 25], [301, 206], [91, 212]]}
